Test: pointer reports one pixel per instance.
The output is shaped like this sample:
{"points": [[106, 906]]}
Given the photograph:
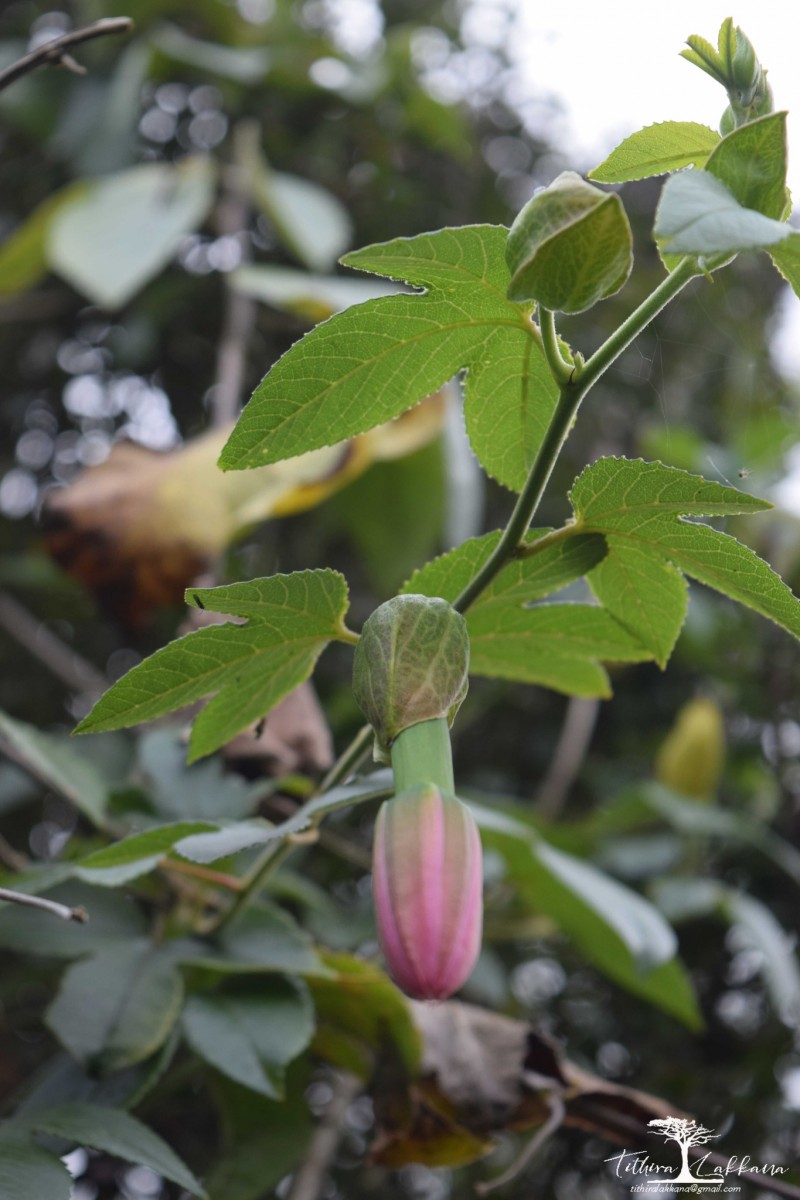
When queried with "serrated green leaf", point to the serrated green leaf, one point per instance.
{"points": [[645, 594], [555, 645], [656, 150], [133, 992], [371, 363], [291, 618], [617, 494], [559, 646], [697, 214], [27, 1172], [52, 761], [751, 162], [541, 572], [786, 257], [251, 1037], [640, 506], [116, 1132], [109, 242], [617, 929]]}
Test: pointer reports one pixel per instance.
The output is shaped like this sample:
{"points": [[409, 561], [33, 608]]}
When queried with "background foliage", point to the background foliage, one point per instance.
{"points": [[410, 118]]}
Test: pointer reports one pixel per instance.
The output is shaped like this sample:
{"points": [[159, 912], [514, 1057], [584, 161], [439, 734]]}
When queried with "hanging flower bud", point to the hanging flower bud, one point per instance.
{"points": [[411, 665], [427, 884]]}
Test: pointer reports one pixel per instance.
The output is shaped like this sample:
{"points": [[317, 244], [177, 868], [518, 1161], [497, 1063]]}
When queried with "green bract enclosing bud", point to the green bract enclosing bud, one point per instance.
{"points": [[745, 71], [569, 247], [411, 665]]}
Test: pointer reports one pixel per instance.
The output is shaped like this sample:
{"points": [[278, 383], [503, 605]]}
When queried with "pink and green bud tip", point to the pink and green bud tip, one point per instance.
{"points": [[427, 885]]}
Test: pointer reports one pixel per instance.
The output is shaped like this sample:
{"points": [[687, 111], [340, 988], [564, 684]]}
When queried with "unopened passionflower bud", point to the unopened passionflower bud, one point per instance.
{"points": [[411, 665], [427, 884]]}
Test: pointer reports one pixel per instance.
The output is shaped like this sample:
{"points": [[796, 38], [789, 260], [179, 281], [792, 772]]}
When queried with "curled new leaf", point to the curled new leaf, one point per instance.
{"points": [[569, 247]]}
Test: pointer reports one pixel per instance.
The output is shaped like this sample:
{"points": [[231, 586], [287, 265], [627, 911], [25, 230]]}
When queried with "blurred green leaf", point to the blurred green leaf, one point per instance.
{"points": [[412, 488], [127, 227], [777, 951], [52, 761], [113, 918], [242, 64], [313, 297], [359, 1010], [133, 992], [196, 792], [786, 257], [118, 1133], [23, 255], [251, 1036], [27, 1172], [688, 898], [309, 221], [206, 847], [265, 1140], [263, 939], [617, 929]]}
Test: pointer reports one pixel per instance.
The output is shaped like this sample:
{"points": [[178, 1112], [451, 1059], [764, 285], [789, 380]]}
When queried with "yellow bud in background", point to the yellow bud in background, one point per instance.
{"points": [[692, 756]]}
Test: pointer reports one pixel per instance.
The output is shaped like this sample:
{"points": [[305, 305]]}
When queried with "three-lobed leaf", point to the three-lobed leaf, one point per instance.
{"points": [[657, 150], [374, 361], [290, 620], [640, 508]]}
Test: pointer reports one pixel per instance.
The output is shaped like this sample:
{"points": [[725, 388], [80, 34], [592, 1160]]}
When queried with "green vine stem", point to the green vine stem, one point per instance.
{"points": [[560, 369], [571, 394]]}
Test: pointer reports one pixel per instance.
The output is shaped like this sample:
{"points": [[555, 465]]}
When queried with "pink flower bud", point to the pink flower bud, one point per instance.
{"points": [[427, 885]]}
